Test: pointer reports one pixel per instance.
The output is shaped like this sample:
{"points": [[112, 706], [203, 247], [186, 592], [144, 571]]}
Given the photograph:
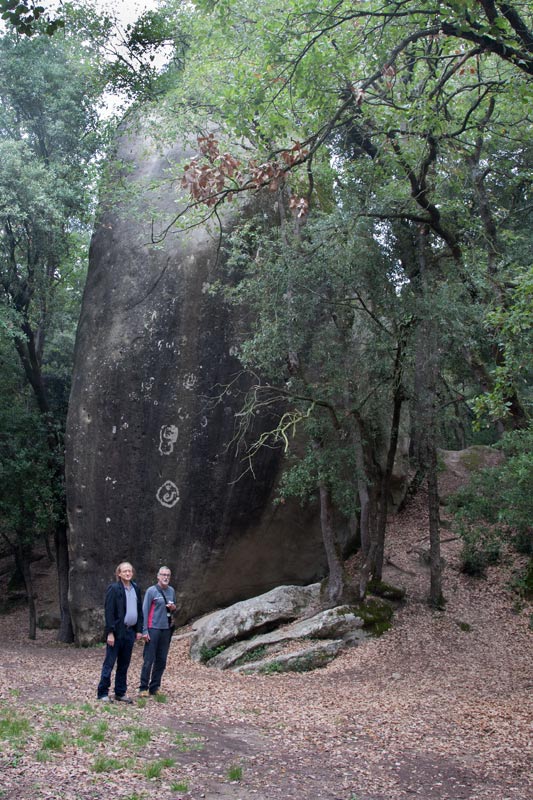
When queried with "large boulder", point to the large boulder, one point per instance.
{"points": [[248, 617], [154, 474], [277, 631], [458, 466], [332, 623]]}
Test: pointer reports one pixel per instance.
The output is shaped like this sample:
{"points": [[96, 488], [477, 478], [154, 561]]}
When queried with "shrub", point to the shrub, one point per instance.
{"points": [[497, 506]]}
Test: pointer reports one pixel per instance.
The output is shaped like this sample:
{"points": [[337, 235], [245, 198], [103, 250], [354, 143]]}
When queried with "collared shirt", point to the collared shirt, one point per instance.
{"points": [[131, 607]]}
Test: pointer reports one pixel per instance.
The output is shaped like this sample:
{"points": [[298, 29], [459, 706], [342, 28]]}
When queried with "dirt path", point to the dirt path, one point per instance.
{"points": [[440, 708]]}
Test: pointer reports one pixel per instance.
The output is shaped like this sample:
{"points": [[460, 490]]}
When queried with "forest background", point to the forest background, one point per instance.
{"points": [[392, 301]]}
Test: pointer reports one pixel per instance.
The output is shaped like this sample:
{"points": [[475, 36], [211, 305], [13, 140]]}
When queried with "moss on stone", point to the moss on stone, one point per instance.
{"points": [[386, 590], [473, 458], [376, 614], [207, 653]]}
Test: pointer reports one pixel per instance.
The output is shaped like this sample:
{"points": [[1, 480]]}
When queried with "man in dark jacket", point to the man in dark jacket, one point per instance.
{"points": [[123, 625]]}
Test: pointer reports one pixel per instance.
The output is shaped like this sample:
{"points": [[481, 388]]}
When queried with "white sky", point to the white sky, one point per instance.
{"points": [[126, 10]]}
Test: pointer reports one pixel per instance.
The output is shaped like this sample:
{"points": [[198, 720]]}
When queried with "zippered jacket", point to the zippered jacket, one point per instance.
{"points": [[155, 609]]}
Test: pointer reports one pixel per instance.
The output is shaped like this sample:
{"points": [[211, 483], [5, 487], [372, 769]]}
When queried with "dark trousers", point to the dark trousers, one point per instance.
{"points": [[155, 659], [120, 654]]}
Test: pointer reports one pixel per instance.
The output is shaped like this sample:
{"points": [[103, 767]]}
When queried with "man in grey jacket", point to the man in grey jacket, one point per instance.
{"points": [[158, 606]]}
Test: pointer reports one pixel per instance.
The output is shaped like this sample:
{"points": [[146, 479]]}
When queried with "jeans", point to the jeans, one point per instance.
{"points": [[155, 659], [120, 654]]}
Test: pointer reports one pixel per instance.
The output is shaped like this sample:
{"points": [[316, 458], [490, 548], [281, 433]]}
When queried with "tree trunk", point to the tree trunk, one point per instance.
{"points": [[49, 553], [435, 591], [368, 479], [336, 589], [336, 585], [23, 559], [66, 632], [427, 411], [364, 496], [389, 467]]}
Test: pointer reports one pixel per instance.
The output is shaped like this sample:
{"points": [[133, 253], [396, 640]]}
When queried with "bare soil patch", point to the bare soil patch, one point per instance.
{"points": [[439, 707]]}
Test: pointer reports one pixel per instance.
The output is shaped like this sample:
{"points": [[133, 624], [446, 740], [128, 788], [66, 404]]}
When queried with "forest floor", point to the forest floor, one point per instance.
{"points": [[439, 707]]}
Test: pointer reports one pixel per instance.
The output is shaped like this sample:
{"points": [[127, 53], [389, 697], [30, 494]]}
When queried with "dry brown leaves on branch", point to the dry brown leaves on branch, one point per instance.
{"points": [[214, 177]]}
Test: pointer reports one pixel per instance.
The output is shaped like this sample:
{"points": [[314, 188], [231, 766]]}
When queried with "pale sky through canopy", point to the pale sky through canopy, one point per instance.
{"points": [[126, 10]]}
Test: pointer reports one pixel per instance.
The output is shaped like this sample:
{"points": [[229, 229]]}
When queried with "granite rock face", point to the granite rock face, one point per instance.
{"points": [[152, 476]]}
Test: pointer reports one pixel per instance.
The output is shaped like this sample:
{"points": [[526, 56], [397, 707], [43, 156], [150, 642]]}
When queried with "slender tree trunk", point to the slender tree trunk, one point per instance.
{"points": [[427, 416], [49, 553], [66, 632], [335, 590], [367, 484], [23, 560], [32, 612], [389, 467], [364, 495], [435, 589]]}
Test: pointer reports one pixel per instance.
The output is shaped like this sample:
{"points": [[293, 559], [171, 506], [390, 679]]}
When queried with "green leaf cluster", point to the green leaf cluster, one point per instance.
{"points": [[497, 506]]}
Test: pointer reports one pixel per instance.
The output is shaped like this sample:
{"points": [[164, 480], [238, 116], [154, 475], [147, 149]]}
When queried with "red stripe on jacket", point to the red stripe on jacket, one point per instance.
{"points": [[151, 614]]}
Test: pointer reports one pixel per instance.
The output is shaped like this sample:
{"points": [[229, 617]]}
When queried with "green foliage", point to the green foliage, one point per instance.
{"points": [[464, 626], [13, 727], [481, 548], [376, 615], [27, 500], [107, 764], [522, 583], [149, 55], [155, 768], [252, 655], [207, 653], [234, 773], [179, 786], [29, 17], [97, 730], [325, 301], [272, 668], [386, 590], [514, 323], [497, 505], [49, 141], [141, 736], [53, 741]]}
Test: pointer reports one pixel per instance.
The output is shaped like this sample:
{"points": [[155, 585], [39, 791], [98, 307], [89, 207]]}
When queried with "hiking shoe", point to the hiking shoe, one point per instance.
{"points": [[123, 699], [104, 699], [143, 693]]}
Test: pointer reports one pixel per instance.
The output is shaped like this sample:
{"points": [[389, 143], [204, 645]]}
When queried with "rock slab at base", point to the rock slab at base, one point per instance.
{"points": [[234, 638], [242, 619], [309, 658], [333, 623]]}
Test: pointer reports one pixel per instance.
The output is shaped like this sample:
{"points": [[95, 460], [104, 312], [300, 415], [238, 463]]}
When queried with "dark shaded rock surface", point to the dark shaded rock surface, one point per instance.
{"points": [[152, 476]]}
